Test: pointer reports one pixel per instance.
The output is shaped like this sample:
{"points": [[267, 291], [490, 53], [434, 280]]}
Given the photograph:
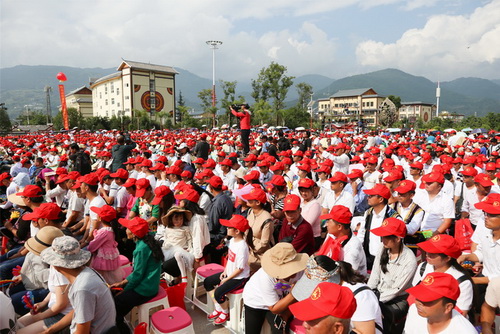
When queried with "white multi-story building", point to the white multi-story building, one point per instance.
{"points": [[136, 86]]}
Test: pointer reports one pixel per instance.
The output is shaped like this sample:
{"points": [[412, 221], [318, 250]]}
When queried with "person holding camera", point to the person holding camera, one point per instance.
{"points": [[244, 115], [121, 151]]}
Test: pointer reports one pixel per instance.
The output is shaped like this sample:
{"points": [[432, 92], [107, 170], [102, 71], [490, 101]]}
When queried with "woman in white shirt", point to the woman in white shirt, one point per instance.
{"points": [[393, 270], [311, 208], [442, 252]]}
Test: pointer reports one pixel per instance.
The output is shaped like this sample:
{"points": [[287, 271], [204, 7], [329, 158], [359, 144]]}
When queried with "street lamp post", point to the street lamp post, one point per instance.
{"points": [[214, 46]]}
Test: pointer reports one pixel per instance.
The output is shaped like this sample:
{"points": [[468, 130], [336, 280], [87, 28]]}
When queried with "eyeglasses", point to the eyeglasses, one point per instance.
{"points": [[491, 215]]}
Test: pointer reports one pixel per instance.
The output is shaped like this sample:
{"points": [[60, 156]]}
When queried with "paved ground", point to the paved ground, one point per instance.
{"points": [[200, 322]]}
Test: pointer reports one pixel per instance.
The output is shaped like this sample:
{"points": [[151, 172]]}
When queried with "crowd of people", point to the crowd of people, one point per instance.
{"points": [[366, 233]]}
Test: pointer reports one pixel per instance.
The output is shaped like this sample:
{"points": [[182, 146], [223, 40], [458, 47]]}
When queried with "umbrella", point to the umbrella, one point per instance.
{"points": [[467, 130], [450, 130], [300, 128], [480, 130], [394, 130]]}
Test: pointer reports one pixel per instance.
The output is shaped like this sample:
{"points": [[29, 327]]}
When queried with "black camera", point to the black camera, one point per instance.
{"points": [[236, 107]]}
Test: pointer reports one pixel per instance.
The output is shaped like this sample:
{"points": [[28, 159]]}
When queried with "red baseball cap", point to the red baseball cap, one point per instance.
{"points": [[434, 286], [187, 174], [264, 163], [106, 212], [469, 171], [238, 222], [340, 214], [417, 165], [380, 190], [277, 180], [146, 163], [62, 178], [210, 163], [48, 211], [158, 166], [304, 167], [31, 190], [490, 204], [141, 185], [299, 153], [188, 194], [406, 186], [277, 166], [138, 226], [391, 226], [338, 176], [253, 175], [174, 170], [61, 171], [160, 192], [292, 203], [215, 182], [324, 169], [251, 157], [90, 179], [355, 173], [433, 177], [326, 299], [372, 160], [393, 176], [306, 183], [120, 174], [200, 161], [130, 182], [226, 162], [256, 194], [491, 166], [442, 244], [163, 159], [483, 180], [4, 176]]}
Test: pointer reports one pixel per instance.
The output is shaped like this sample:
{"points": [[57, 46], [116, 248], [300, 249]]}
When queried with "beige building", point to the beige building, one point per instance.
{"points": [[136, 86], [413, 110], [351, 105], [81, 100]]}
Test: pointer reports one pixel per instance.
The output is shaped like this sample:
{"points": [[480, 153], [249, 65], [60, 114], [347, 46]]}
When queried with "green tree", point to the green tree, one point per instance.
{"points": [[5, 123], [305, 92], [229, 91], [75, 118], [273, 83], [296, 116], [396, 100], [262, 113], [32, 117], [95, 123], [205, 97]]}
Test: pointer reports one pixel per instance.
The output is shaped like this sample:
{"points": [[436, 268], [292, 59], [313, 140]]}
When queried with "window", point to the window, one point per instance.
{"points": [[371, 104], [106, 102], [100, 95], [126, 97], [112, 101], [117, 104], [126, 85], [112, 87], [107, 114], [364, 104], [106, 89], [118, 91]]}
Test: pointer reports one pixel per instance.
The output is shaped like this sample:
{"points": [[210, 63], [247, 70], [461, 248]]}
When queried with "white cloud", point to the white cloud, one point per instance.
{"points": [[446, 47]]}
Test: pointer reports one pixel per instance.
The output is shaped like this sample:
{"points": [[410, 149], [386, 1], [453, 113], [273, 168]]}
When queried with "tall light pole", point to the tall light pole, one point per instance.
{"points": [[213, 46]]}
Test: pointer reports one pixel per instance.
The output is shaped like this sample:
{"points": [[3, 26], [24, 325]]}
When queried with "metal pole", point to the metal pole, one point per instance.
{"points": [[213, 46]]}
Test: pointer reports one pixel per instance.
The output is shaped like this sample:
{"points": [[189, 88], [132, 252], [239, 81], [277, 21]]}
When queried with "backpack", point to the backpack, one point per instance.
{"points": [[82, 163]]}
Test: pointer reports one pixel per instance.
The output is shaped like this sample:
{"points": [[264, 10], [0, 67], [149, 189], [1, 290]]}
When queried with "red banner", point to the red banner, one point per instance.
{"points": [[64, 109]]}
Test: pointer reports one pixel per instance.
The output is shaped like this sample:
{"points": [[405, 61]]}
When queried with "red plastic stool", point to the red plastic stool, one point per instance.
{"points": [[172, 320], [202, 273]]}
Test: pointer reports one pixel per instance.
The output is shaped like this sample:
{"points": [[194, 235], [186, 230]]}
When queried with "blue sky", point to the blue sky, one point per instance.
{"points": [[439, 39]]}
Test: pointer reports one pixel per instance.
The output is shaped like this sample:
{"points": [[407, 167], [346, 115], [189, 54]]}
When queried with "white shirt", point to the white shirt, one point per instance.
{"points": [[341, 163], [345, 198], [237, 258], [464, 301], [371, 179], [375, 241], [58, 193], [368, 307], [311, 212], [488, 252], [416, 221], [98, 201], [436, 210], [259, 291], [415, 324]]}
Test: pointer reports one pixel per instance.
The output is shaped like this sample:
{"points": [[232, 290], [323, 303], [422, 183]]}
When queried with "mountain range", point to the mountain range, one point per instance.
{"points": [[22, 87]]}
